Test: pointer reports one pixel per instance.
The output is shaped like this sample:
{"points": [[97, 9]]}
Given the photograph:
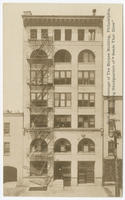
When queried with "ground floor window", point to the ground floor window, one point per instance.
{"points": [[38, 168]]}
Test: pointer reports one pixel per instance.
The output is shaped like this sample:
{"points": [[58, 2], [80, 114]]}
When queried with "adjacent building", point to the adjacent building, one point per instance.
{"points": [[13, 146], [112, 116]]}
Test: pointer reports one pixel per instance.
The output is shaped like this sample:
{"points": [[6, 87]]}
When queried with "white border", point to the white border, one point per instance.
{"points": [[1, 89]]}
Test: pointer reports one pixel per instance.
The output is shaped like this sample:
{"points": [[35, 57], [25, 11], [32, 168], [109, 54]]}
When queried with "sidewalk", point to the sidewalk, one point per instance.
{"points": [[78, 191]]}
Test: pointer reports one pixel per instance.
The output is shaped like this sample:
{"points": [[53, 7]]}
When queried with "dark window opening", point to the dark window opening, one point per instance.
{"points": [[62, 121], [86, 121], [33, 34], [38, 145], [81, 34], [62, 77], [62, 56], [38, 121], [6, 128], [86, 99], [62, 145], [38, 168], [62, 99], [111, 148], [68, 34], [39, 99], [86, 77], [86, 56], [111, 106], [86, 145], [38, 77], [44, 33], [6, 148], [57, 35]]}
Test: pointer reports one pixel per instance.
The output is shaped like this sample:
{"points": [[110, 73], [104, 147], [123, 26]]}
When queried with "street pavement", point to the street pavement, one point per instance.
{"points": [[76, 191]]}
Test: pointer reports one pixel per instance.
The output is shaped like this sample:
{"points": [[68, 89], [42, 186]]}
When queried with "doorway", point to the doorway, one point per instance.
{"points": [[85, 172], [62, 170]]}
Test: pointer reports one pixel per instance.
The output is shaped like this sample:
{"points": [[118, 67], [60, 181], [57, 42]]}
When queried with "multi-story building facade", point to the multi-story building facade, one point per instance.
{"points": [[12, 146], [112, 116], [63, 98]]}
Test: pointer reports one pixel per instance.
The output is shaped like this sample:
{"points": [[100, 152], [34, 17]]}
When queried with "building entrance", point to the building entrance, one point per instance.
{"points": [[85, 172], [62, 170]]}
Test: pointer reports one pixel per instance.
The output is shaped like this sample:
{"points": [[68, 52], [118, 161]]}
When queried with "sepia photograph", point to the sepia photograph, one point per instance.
{"points": [[62, 100]]}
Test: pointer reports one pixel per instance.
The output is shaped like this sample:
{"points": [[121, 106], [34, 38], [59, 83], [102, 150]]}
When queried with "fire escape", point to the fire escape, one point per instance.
{"points": [[42, 109]]}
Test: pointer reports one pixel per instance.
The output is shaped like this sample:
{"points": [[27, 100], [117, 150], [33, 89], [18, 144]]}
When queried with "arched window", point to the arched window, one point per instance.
{"points": [[62, 145], [62, 56], [38, 145], [86, 145], [38, 54], [86, 56]]}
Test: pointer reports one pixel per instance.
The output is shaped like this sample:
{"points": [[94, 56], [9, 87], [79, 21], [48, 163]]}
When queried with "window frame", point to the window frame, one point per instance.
{"points": [[88, 80], [111, 106], [86, 121], [57, 35], [7, 129], [68, 34], [62, 121], [86, 103], [6, 148], [60, 99], [33, 36], [81, 34], [60, 80]]}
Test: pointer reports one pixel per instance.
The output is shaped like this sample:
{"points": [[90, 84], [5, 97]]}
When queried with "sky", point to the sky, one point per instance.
{"points": [[13, 43]]}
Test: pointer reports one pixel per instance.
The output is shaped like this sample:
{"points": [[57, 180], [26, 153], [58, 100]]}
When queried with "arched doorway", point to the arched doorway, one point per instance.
{"points": [[10, 174]]}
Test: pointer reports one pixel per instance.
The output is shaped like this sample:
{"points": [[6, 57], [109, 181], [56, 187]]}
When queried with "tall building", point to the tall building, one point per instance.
{"points": [[63, 98]]}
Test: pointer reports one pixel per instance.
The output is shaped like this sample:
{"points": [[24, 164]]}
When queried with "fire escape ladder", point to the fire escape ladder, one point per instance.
{"points": [[46, 89]]}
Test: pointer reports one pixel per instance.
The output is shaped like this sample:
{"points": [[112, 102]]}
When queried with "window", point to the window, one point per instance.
{"points": [[39, 99], [44, 33], [62, 145], [91, 34], [39, 77], [111, 125], [86, 77], [86, 56], [80, 34], [38, 54], [57, 35], [62, 99], [6, 148], [86, 145], [86, 99], [62, 56], [6, 128], [86, 121], [111, 106], [38, 168], [68, 34], [33, 34], [62, 77], [38, 121], [110, 148], [61, 121], [38, 145]]}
